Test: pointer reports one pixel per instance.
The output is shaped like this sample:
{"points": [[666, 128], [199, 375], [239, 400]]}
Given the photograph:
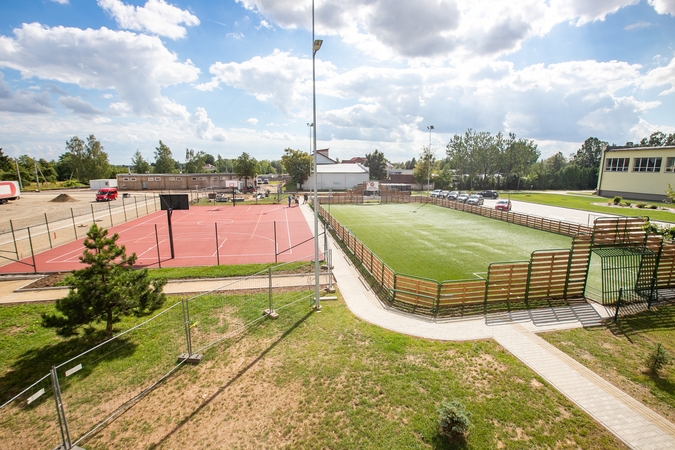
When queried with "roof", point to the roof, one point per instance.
{"points": [[611, 148], [341, 168]]}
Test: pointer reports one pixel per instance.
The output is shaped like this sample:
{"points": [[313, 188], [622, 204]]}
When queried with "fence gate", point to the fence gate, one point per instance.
{"points": [[630, 270]]}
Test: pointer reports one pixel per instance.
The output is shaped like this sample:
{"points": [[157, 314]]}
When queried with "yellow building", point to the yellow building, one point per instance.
{"points": [[638, 173]]}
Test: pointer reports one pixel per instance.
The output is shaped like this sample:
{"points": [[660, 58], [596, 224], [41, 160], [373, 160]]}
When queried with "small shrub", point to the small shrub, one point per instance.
{"points": [[617, 200], [453, 421], [652, 207], [658, 359], [640, 205], [626, 204]]}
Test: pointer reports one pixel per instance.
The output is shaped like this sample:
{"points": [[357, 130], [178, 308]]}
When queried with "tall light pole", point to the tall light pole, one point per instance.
{"points": [[316, 45], [430, 127]]}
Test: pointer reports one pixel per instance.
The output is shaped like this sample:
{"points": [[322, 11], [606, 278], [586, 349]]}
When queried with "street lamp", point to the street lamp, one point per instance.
{"points": [[316, 45], [430, 127]]}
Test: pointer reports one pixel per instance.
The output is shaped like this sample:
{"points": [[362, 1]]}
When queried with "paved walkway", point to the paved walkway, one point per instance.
{"points": [[636, 425], [632, 422]]}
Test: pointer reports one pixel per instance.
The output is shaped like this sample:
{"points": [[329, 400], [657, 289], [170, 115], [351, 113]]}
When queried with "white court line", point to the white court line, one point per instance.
{"points": [[217, 252]]}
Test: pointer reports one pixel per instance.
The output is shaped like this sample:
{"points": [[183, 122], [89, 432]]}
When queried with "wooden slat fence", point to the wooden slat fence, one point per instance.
{"points": [[549, 274]]}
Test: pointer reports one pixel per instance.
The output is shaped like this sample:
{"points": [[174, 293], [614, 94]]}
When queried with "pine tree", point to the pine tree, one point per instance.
{"points": [[107, 289]]}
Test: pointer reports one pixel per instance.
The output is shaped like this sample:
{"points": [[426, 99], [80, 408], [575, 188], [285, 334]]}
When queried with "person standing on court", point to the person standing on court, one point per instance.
{"points": [[304, 198], [289, 200]]}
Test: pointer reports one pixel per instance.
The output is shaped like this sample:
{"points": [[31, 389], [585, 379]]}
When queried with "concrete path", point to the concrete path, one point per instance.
{"points": [[629, 420]]}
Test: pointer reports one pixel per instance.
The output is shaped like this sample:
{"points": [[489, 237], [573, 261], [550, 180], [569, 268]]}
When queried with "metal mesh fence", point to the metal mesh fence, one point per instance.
{"points": [[99, 384], [28, 420], [21, 239]]}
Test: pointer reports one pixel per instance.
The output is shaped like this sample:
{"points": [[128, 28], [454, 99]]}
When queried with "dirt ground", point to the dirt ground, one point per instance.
{"points": [[34, 205]]}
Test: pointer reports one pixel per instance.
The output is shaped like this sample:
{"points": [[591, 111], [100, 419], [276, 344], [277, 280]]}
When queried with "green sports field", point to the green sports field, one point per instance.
{"points": [[439, 243]]}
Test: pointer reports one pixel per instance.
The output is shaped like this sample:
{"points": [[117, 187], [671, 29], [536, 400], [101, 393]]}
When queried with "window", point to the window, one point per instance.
{"points": [[125, 179], [172, 178], [133, 179], [151, 179], [201, 178], [179, 178], [670, 162], [617, 164], [194, 178], [647, 165]]}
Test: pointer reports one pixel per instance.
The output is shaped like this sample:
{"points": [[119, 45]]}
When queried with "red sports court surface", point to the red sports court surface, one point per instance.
{"points": [[202, 236]]}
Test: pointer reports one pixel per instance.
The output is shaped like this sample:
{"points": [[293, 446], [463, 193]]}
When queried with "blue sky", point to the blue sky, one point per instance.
{"points": [[229, 76]]}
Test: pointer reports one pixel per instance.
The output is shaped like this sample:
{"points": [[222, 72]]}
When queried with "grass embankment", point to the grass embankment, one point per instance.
{"points": [[305, 381], [617, 352], [593, 203], [440, 243]]}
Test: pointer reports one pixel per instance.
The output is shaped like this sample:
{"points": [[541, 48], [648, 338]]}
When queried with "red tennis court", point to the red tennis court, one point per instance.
{"points": [[202, 236]]}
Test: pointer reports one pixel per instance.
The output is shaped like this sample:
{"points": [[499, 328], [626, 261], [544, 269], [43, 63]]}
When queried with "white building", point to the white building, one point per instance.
{"points": [[338, 177]]}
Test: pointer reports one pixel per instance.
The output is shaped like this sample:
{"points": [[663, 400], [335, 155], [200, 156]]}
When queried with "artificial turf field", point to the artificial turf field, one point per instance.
{"points": [[440, 243]]}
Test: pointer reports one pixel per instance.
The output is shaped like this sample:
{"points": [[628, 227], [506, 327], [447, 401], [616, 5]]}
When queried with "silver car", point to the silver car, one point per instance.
{"points": [[474, 199]]}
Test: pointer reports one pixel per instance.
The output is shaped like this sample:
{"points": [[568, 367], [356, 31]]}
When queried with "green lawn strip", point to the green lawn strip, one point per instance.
{"points": [[440, 243], [595, 204], [617, 352], [239, 270]]}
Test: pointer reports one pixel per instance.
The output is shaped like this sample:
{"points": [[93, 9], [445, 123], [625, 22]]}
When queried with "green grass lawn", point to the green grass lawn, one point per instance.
{"points": [[309, 381], [440, 243], [588, 202], [617, 352]]}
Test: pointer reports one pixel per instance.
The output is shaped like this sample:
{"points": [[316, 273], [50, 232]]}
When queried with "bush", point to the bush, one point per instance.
{"points": [[453, 421], [617, 200], [640, 205], [652, 207], [626, 203], [658, 359]]}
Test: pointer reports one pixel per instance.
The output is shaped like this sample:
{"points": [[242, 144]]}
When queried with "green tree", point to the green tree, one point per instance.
{"points": [[223, 165], [590, 153], [6, 163], [194, 161], [377, 164], [265, 166], [297, 164], [424, 169], [85, 161], [139, 164], [164, 162], [105, 290], [245, 167]]}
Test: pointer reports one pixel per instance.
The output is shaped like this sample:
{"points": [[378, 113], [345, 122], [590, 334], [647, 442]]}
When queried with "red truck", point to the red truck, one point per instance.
{"points": [[106, 194]]}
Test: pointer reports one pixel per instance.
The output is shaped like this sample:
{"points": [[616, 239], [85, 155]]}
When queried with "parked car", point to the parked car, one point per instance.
{"points": [[462, 198], [489, 194], [474, 199], [435, 193], [106, 194], [453, 195], [503, 205], [443, 194]]}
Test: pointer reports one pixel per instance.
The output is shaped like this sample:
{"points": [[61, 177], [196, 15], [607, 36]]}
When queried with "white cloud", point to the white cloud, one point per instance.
{"points": [[663, 6], [235, 35], [280, 79], [136, 66], [62, 2], [386, 29], [252, 121], [79, 106], [638, 26], [204, 128], [156, 17], [662, 76], [23, 101]]}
